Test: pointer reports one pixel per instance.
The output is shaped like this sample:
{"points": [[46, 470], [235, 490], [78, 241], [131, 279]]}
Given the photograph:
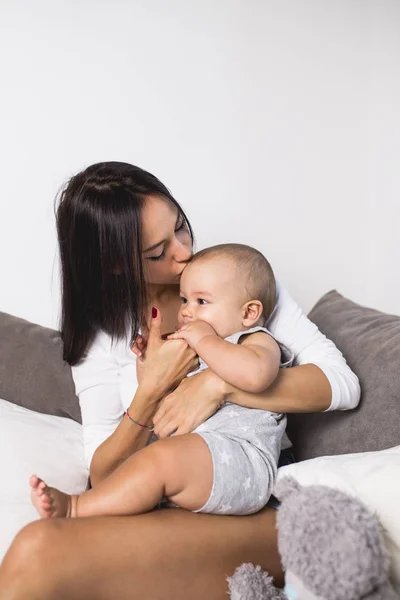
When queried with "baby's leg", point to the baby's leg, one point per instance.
{"points": [[179, 467]]}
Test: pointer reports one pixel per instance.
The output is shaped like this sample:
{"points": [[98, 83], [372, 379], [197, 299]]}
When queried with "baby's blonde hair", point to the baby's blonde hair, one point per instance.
{"points": [[253, 268]]}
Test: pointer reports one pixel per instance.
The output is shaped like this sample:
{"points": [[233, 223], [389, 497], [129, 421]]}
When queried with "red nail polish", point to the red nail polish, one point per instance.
{"points": [[154, 312]]}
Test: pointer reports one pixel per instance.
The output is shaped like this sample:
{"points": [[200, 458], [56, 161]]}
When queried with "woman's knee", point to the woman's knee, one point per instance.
{"points": [[30, 565], [34, 544]]}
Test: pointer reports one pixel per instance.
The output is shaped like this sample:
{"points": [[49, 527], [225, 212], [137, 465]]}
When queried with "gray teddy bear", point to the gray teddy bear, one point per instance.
{"points": [[331, 548]]}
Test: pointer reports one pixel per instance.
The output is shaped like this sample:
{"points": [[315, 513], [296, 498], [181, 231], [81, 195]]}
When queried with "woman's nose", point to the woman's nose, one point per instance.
{"points": [[183, 252]]}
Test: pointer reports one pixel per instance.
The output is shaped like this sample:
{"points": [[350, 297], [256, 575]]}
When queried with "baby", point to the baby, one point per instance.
{"points": [[228, 464]]}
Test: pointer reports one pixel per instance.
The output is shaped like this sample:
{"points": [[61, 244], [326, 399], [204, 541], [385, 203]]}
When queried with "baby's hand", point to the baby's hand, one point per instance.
{"points": [[193, 333]]}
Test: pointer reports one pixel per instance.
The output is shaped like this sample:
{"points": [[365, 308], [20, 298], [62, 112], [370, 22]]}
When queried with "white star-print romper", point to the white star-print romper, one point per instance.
{"points": [[245, 444]]}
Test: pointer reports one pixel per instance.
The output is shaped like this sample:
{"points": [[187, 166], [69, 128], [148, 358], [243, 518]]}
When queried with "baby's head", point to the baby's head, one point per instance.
{"points": [[231, 287]]}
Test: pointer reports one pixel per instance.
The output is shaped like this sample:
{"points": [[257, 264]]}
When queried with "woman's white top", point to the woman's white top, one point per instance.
{"points": [[106, 382]]}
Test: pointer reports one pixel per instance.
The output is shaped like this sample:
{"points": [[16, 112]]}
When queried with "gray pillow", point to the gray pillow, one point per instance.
{"points": [[33, 373], [370, 342]]}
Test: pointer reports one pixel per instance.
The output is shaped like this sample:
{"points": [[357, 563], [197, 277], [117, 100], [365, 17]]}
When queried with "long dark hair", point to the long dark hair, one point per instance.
{"points": [[100, 239]]}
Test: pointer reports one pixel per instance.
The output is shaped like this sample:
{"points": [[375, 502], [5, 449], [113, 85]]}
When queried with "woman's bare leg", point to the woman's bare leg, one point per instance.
{"points": [[164, 554], [179, 468]]}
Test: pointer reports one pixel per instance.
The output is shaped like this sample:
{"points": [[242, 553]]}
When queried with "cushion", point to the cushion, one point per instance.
{"points": [[370, 342], [372, 477], [33, 373], [48, 446]]}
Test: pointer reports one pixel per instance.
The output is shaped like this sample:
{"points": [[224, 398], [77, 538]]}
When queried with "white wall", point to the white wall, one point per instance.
{"points": [[273, 123]]}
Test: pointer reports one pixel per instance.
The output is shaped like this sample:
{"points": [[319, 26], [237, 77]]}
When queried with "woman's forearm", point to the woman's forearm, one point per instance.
{"points": [[127, 438], [298, 389]]}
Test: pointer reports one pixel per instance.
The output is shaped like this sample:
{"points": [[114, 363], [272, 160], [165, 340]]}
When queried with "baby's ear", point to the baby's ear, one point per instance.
{"points": [[286, 487], [251, 311]]}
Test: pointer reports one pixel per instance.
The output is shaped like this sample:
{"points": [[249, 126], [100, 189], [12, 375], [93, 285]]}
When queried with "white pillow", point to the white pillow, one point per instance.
{"points": [[30, 442], [373, 477]]}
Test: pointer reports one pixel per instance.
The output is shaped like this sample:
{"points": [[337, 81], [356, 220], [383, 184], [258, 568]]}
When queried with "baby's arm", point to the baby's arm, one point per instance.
{"points": [[251, 365]]}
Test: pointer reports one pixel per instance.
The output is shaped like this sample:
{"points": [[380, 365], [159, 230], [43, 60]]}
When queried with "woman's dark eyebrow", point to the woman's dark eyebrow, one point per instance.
{"points": [[154, 246]]}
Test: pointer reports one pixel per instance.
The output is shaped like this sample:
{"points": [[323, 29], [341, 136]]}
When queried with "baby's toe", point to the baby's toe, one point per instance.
{"points": [[41, 488], [34, 481]]}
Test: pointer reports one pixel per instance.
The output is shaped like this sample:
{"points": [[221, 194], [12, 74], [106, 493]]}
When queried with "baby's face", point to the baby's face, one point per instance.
{"points": [[210, 292]]}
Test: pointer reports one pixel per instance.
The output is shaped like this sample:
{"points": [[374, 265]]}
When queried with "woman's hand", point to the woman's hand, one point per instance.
{"points": [[193, 402], [164, 363], [139, 369], [139, 345]]}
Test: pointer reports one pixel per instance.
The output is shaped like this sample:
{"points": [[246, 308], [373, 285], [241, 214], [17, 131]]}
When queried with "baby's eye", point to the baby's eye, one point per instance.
{"points": [[183, 300], [201, 301]]}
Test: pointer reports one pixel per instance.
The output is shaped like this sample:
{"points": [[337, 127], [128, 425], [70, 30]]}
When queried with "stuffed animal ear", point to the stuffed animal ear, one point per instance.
{"points": [[286, 487], [252, 583]]}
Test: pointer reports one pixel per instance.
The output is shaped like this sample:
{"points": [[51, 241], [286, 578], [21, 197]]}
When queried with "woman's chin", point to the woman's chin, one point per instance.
{"points": [[174, 280]]}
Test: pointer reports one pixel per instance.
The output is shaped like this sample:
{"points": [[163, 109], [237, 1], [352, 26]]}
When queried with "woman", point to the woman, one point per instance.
{"points": [[124, 242]]}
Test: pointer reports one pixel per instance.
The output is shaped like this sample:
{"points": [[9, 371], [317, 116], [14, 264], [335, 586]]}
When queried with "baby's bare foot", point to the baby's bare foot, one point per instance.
{"points": [[50, 502]]}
